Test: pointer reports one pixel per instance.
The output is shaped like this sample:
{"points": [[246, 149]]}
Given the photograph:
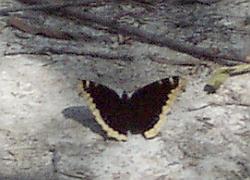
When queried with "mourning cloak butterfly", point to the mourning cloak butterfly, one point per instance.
{"points": [[144, 112]]}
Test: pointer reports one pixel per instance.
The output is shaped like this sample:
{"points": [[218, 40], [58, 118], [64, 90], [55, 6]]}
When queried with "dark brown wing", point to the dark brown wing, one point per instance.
{"points": [[107, 107], [150, 105]]}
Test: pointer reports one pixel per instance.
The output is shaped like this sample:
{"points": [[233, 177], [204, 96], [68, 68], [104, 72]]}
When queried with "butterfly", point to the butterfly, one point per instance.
{"points": [[144, 112]]}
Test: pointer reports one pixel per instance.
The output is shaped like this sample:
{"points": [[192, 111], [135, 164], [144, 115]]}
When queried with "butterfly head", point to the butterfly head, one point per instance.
{"points": [[125, 96]]}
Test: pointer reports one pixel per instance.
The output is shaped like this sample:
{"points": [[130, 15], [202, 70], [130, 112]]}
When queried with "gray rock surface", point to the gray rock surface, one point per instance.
{"points": [[47, 132]]}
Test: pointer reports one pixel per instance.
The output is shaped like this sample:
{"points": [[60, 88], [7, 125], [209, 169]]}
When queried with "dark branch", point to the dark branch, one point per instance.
{"points": [[62, 48], [153, 38]]}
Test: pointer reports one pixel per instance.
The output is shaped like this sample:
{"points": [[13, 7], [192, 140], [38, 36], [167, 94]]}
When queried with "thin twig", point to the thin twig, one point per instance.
{"points": [[211, 104], [63, 51], [70, 175]]}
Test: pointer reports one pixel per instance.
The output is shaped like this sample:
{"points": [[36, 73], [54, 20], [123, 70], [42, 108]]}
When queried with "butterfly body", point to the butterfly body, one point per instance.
{"points": [[144, 112]]}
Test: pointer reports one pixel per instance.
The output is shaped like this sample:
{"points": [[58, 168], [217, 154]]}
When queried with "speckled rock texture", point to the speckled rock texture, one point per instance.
{"points": [[48, 133]]}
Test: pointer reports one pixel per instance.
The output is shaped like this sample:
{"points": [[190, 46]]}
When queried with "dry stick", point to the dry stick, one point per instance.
{"points": [[103, 55], [50, 31], [25, 25], [50, 6], [45, 50], [152, 38]]}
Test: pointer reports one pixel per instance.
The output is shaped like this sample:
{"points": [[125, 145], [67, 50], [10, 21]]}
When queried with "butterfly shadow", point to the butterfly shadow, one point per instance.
{"points": [[82, 115]]}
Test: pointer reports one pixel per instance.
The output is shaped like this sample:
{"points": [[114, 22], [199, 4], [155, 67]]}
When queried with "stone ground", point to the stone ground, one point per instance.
{"points": [[46, 131]]}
